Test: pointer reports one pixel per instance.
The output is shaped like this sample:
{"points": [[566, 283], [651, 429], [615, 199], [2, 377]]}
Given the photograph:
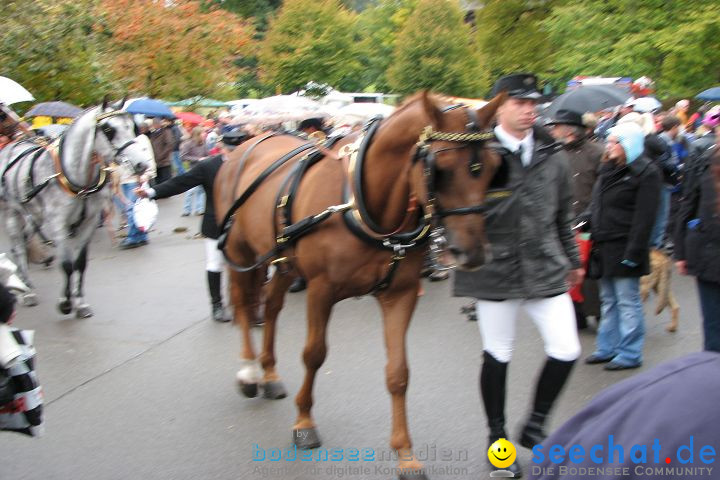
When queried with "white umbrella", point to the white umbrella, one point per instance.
{"points": [[646, 104], [363, 111], [12, 92], [282, 104]]}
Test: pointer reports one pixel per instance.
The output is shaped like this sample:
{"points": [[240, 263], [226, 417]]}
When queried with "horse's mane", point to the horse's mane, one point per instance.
{"points": [[76, 121]]}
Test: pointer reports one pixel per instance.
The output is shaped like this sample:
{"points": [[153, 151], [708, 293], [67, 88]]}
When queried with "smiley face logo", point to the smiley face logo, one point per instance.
{"points": [[501, 453]]}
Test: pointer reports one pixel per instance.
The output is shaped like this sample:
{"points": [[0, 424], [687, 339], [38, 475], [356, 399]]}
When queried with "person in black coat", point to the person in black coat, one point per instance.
{"points": [[697, 240], [623, 211], [203, 174]]}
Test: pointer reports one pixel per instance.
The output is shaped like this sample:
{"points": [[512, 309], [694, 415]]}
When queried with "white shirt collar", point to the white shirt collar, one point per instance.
{"points": [[511, 143]]}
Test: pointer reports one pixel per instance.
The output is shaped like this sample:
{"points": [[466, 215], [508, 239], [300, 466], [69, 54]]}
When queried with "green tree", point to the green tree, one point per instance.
{"points": [[248, 83], [511, 39], [673, 42], [311, 40], [434, 50], [246, 8], [54, 52], [378, 28]]}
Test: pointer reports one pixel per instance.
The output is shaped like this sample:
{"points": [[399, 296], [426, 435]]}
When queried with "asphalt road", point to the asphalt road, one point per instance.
{"points": [[145, 388]]}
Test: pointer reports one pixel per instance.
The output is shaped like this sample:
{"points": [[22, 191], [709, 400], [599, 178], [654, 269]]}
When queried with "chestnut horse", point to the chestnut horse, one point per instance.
{"points": [[356, 215]]}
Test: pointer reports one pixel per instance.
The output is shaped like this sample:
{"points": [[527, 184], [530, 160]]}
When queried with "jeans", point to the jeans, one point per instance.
{"points": [[177, 163], [199, 194], [661, 219], [621, 334], [134, 235], [710, 306]]}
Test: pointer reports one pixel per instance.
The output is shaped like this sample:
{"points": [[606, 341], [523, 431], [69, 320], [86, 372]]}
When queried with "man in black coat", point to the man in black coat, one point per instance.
{"points": [[697, 240], [203, 174], [623, 211], [534, 263], [584, 156]]}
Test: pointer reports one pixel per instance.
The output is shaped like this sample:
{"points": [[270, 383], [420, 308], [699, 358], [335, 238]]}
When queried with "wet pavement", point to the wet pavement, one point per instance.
{"points": [[145, 388]]}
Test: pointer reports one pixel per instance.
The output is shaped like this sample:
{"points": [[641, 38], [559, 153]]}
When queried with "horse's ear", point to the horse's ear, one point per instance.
{"points": [[105, 103], [431, 109], [487, 112], [122, 102]]}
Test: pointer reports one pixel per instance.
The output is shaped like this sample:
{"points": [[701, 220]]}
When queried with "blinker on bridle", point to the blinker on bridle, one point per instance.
{"points": [[109, 131], [426, 155]]}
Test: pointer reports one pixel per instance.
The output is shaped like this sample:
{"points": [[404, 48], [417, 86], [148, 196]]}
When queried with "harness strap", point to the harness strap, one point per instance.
{"points": [[17, 160], [70, 188], [227, 220]]}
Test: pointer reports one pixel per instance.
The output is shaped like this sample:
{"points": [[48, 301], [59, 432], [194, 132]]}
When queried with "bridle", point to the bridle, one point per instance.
{"points": [[101, 179], [424, 154], [109, 131]]}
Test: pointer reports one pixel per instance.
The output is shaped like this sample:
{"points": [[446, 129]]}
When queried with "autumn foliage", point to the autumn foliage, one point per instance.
{"points": [[172, 50]]}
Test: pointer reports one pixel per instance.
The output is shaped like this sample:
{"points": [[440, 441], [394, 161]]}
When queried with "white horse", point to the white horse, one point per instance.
{"points": [[60, 188]]}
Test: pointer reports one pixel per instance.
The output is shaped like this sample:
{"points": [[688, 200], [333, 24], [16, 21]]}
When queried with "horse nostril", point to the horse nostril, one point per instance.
{"points": [[140, 167]]}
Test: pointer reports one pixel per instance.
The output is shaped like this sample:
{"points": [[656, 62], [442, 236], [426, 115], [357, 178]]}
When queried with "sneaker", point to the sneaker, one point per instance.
{"points": [[185, 214], [125, 245]]}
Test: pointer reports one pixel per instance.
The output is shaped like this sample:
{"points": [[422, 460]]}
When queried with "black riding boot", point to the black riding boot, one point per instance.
{"points": [[551, 381], [492, 388], [218, 312]]}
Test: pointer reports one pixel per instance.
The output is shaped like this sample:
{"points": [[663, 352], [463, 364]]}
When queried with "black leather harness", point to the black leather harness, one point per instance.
{"points": [[354, 209]]}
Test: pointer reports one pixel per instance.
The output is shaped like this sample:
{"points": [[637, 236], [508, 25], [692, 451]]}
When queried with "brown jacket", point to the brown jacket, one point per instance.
{"points": [[584, 157], [163, 143]]}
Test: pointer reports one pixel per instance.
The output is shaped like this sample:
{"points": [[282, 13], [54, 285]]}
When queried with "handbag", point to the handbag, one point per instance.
{"points": [[21, 396]]}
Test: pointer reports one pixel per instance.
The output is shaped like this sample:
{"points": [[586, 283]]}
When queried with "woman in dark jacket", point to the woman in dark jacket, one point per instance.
{"points": [[697, 238], [623, 209]]}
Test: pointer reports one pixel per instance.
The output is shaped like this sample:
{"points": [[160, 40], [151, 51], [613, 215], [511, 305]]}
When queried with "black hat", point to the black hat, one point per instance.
{"points": [[316, 123], [566, 117], [517, 85], [7, 304], [235, 137]]}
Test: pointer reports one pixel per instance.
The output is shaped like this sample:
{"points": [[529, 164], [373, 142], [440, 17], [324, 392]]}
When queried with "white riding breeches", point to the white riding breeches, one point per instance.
{"points": [[553, 316], [214, 260]]}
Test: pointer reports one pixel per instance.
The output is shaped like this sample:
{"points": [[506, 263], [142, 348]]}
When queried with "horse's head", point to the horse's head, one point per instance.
{"points": [[117, 138], [453, 168]]}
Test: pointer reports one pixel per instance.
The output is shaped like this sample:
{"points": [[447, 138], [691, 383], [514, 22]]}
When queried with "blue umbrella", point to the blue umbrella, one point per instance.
{"points": [[150, 108], [711, 94]]}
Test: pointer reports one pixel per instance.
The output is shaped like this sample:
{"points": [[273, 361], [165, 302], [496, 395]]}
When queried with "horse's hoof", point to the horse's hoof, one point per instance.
{"points": [[29, 300], [83, 311], [250, 390], [306, 438], [274, 390], [671, 328], [413, 475], [65, 306]]}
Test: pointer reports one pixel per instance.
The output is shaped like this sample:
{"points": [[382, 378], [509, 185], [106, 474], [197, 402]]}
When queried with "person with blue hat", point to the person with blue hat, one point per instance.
{"points": [[622, 214]]}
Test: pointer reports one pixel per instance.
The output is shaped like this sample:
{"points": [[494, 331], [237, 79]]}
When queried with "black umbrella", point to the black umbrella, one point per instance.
{"points": [[54, 109], [591, 98]]}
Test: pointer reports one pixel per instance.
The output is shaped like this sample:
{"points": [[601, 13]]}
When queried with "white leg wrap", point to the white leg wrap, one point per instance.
{"points": [[250, 372]]}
